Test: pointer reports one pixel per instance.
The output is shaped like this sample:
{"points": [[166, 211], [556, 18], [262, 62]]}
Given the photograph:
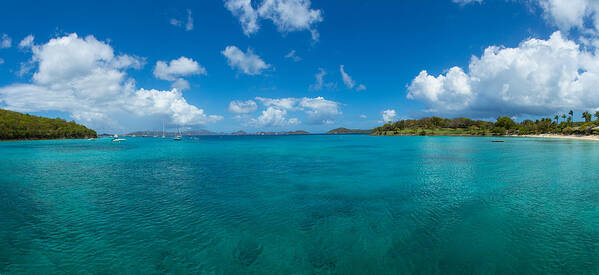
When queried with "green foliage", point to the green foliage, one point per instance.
{"points": [[587, 116], [338, 131], [503, 126], [15, 125], [505, 122]]}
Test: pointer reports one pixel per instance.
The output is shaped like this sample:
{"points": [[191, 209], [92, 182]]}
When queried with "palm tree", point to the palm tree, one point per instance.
{"points": [[597, 115], [571, 113], [587, 116], [556, 119]]}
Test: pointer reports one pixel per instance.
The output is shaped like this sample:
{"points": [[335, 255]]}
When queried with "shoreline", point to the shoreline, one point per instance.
{"points": [[573, 137]]}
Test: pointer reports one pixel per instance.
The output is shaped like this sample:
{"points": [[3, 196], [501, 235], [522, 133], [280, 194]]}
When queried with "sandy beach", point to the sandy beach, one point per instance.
{"points": [[590, 138]]}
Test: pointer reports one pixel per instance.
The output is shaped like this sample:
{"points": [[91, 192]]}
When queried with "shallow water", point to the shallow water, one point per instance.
{"points": [[300, 205]]}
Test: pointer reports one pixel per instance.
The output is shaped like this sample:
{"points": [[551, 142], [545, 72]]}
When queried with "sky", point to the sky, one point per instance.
{"points": [[274, 65]]}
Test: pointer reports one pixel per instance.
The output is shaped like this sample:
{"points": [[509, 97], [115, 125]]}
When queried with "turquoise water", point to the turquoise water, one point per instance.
{"points": [[300, 205]]}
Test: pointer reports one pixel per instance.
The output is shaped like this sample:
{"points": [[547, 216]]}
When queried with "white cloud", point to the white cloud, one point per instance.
{"points": [[242, 107], [319, 80], [83, 77], [179, 23], [247, 63], [1, 61], [565, 14], [347, 80], [538, 77], [464, 2], [175, 22], [183, 66], [388, 115], [247, 15], [5, 41], [27, 42], [281, 103], [273, 117], [568, 14], [291, 55], [318, 110], [189, 24], [180, 84], [287, 15], [363, 116]]}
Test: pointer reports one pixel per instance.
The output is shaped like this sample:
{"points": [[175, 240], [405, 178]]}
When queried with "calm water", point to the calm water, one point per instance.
{"points": [[300, 205]]}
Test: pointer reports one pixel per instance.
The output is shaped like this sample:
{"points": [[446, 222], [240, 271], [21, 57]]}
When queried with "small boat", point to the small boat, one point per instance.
{"points": [[117, 139], [178, 137], [497, 140]]}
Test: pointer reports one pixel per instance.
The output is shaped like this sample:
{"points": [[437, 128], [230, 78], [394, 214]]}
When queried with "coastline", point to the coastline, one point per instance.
{"points": [[588, 138]]}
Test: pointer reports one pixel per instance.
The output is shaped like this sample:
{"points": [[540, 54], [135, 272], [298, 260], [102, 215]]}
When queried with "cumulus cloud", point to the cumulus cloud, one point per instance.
{"points": [[179, 23], [5, 41], [388, 115], [318, 110], [273, 117], [247, 15], [538, 77], [363, 116], [83, 77], [242, 107], [176, 69], [568, 14], [247, 63], [287, 15], [281, 103], [183, 66], [291, 55], [27, 42], [565, 14]]}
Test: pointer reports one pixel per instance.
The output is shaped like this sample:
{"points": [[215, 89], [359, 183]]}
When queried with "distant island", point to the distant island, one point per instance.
{"points": [[345, 131], [338, 131], [18, 126], [504, 126]]}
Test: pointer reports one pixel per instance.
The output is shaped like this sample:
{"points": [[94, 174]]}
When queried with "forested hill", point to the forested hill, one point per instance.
{"points": [[14, 125]]}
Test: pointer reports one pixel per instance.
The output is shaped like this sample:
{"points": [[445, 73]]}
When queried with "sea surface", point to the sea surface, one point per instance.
{"points": [[347, 204]]}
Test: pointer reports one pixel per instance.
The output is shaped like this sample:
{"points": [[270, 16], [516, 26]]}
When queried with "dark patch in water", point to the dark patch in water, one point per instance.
{"points": [[247, 252]]}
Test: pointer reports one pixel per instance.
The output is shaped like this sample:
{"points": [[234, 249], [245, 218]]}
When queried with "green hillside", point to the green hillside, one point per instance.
{"points": [[342, 131], [14, 125]]}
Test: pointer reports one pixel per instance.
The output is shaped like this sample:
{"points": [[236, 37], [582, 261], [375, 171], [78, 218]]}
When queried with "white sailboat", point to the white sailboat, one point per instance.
{"points": [[178, 137], [163, 136]]}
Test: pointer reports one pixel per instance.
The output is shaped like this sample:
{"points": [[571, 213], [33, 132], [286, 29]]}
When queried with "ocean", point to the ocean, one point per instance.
{"points": [[313, 204]]}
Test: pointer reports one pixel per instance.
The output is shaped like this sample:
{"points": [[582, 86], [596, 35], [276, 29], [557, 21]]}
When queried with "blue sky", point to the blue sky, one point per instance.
{"points": [[383, 46]]}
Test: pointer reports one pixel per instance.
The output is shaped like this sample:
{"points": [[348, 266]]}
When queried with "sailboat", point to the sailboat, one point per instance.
{"points": [[163, 129], [178, 136]]}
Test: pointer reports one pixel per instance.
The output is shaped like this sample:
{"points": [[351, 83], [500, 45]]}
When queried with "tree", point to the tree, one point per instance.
{"points": [[587, 116], [505, 122], [556, 118], [597, 115]]}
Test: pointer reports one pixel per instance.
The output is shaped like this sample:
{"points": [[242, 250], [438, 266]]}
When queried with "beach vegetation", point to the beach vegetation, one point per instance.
{"points": [[504, 125], [14, 125]]}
